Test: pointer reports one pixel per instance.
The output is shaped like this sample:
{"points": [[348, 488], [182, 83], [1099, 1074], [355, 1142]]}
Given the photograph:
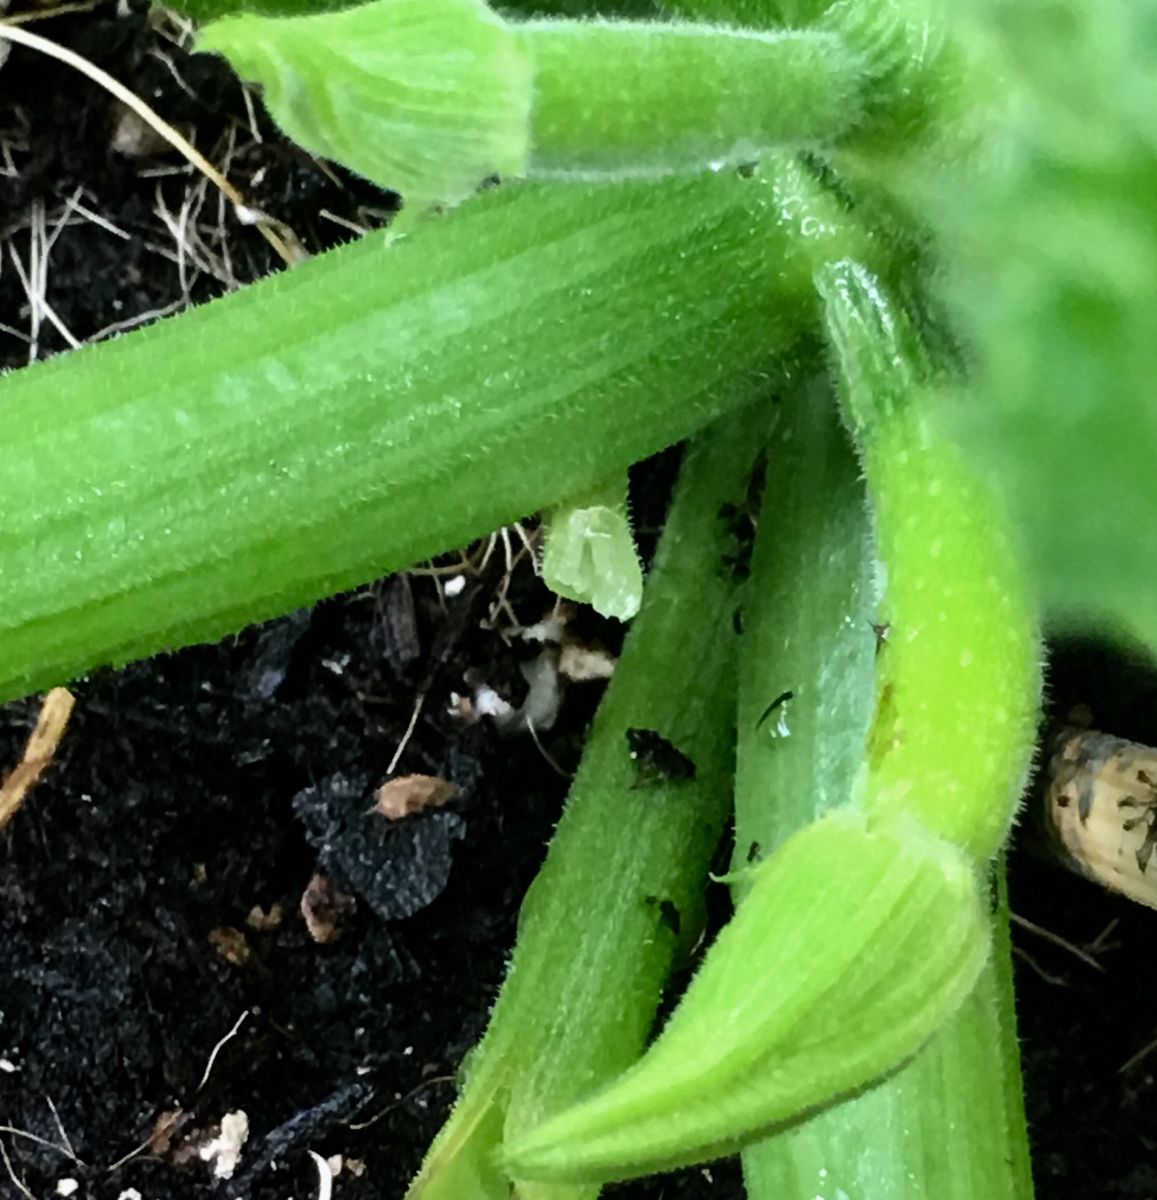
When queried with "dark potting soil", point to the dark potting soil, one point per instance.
{"points": [[144, 969]]}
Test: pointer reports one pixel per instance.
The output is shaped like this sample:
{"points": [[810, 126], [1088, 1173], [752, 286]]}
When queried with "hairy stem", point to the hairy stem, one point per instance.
{"points": [[617, 902], [373, 407], [949, 1124], [621, 98]]}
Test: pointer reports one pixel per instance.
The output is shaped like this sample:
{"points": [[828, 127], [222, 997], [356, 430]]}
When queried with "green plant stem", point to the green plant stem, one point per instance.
{"points": [[950, 1123], [373, 407], [808, 631], [431, 97], [618, 899], [960, 677], [626, 99]]}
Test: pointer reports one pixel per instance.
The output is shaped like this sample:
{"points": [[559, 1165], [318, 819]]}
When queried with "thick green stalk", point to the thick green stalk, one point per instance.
{"points": [[375, 406], [950, 1124], [864, 933], [430, 97], [960, 676], [808, 632], [640, 98], [618, 899]]}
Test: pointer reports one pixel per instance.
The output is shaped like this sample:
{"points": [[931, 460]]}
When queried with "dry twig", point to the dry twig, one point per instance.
{"points": [[38, 753]]}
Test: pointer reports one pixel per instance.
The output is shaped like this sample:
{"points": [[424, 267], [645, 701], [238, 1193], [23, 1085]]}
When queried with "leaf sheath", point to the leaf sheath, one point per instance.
{"points": [[373, 407]]}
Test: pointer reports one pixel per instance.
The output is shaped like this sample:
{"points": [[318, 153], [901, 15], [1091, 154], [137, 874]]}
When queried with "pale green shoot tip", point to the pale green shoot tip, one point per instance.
{"points": [[589, 553], [426, 97]]}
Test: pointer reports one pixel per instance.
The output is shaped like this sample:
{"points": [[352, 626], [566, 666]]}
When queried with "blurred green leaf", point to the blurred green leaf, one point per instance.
{"points": [[1054, 278]]}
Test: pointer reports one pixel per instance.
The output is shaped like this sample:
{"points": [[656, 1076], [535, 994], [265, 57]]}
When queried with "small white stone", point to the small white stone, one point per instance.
{"points": [[324, 1176], [224, 1151], [453, 586], [488, 703], [66, 1187]]}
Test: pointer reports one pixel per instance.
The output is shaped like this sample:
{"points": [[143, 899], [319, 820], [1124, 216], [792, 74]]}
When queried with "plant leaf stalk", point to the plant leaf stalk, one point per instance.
{"points": [[813, 992], [618, 901], [374, 406], [949, 1124], [429, 97]]}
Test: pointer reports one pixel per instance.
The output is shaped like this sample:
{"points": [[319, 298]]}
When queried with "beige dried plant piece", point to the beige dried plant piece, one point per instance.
{"points": [[264, 920], [585, 664], [230, 944], [38, 753], [326, 910], [169, 1123], [409, 794], [1101, 810]]}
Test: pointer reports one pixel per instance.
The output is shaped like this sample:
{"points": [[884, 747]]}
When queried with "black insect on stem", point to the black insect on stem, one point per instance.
{"points": [[778, 702], [740, 519], [656, 759], [668, 913]]}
